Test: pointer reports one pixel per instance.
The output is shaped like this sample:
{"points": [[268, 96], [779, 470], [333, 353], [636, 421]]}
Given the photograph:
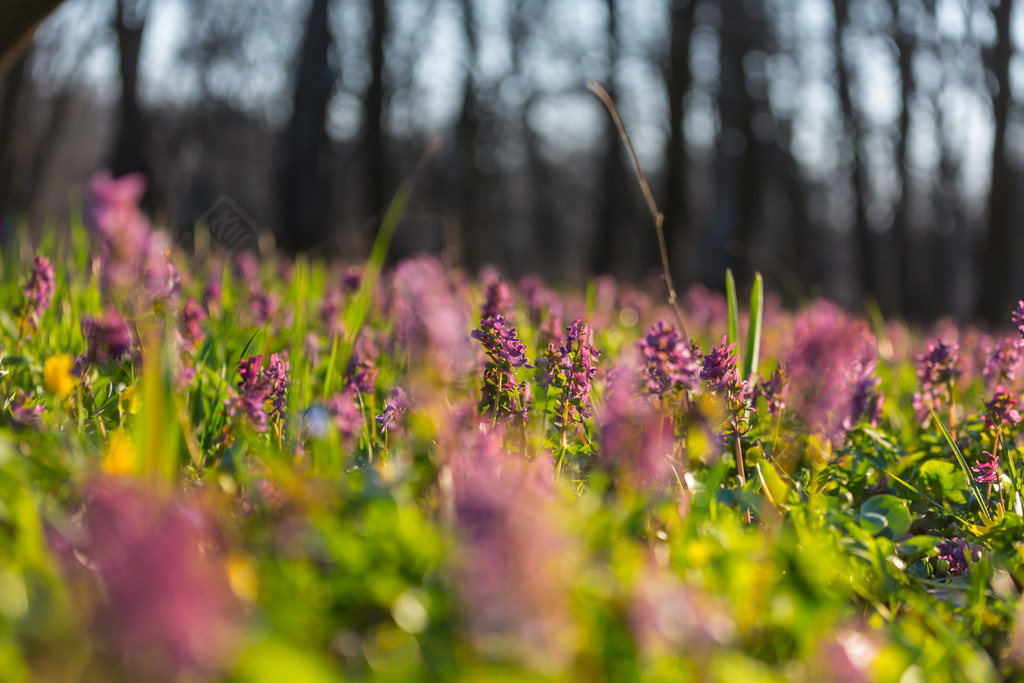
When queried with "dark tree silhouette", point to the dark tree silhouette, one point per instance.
{"points": [[18, 20], [303, 171], [680, 236], [997, 258], [129, 148], [852, 126], [375, 147]]}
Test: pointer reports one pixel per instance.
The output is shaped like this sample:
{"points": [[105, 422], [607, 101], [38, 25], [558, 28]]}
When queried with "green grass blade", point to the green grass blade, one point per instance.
{"points": [[753, 354], [730, 297], [963, 465], [963, 522], [358, 311]]}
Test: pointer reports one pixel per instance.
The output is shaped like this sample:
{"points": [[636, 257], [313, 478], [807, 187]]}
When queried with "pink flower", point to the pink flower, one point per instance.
{"points": [[165, 605]]}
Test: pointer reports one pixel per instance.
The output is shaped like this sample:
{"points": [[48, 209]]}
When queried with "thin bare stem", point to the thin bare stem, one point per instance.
{"points": [[657, 216]]}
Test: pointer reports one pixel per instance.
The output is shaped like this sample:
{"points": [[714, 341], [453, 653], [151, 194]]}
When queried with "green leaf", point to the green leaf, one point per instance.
{"points": [[941, 480], [917, 546], [750, 359], [893, 509], [963, 466], [730, 297]]}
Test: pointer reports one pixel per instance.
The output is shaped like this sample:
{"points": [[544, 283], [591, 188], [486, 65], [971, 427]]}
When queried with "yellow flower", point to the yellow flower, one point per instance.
{"points": [[129, 401], [241, 576], [119, 456], [57, 375]]}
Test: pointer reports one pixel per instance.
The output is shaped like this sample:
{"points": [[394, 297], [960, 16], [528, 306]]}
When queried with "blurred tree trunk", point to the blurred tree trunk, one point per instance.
{"points": [[737, 190], [864, 244], [680, 237], [9, 96], [129, 156], [997, 257], [467, 133], [907, 295], [609, 243], [375, 151], [303, 179], [18, 21]]}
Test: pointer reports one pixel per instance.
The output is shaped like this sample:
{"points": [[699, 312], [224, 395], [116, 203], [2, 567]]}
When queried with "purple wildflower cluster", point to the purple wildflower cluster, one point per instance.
{"points": [[344, 408], [24, 414], [773, 388], [262, 393], [570, 368], [504, 396], [830, 364], [1002, 363], [866, 399], [954, 553], [670, 363], [498, 300], [429, 318], [394, 409], [718, 369], [191, 323], [637, 442], [1002, 409], [39, 291], [937, 369], [134, 257], [987, 470], [163, 601], [516, 560], [1018, 317], [108, 337], [361, 372]]}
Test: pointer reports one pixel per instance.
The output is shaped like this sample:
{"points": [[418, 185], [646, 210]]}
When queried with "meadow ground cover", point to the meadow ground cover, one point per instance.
{"points": [[228, 469]]}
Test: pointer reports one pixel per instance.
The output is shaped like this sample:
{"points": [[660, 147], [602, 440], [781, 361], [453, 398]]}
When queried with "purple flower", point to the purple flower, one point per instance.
{"points": [[936, 369], [39, 291], [192, 317], [666, 615], [987, 471], [718, 368], [954, 552], [867, 397], [108, 337], [1003, 362], [352, 279], [163, 600], [429, 319], [394, 409], [1018, 317], [503, 395], [361, 373], [515, 564], [133, 257], [500, 341], [571, 368], [670, 362], [262, 393], [277, 378], [828, 359], [23, 413], [211, 296], [498, 301], [114, 203], [344, 408], [1002, 409], [636, 439], [773, 388], [265, 306]]}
